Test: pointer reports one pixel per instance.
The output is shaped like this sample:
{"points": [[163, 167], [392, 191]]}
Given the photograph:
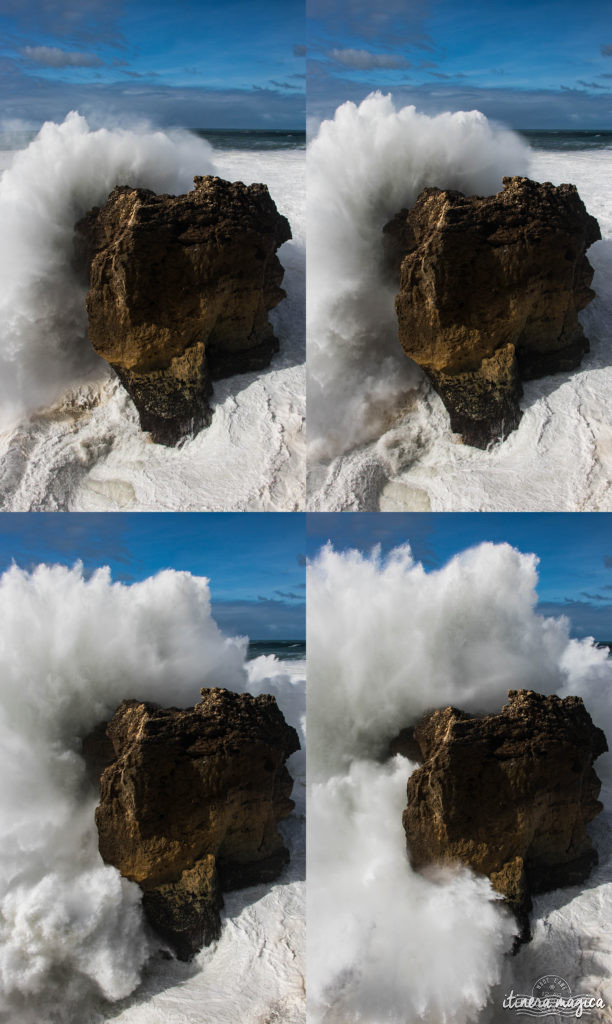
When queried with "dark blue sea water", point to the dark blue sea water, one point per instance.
{"points": [[566, 141], [255, 140], [286, 650]]}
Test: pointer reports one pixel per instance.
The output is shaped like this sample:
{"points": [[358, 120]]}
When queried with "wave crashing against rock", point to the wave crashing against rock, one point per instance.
{"points": [[180, 291], [509, 795], [490, 291], [190, 803]]}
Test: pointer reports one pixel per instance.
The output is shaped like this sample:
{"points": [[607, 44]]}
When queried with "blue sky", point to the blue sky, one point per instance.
{"points": [[575, 551], [255, 562], [195, 63], [527, 63]]}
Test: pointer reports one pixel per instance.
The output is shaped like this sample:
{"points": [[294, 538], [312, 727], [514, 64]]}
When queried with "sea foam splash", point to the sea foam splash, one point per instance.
{"points": [[365, 165], [86, 451], [380, 437], [387, 642], [65, 171], [71, 648]]}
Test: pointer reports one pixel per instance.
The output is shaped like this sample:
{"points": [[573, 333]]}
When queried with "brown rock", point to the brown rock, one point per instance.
{"points": [[490, 291], [510, 795], [180, 290], [190, 803]]}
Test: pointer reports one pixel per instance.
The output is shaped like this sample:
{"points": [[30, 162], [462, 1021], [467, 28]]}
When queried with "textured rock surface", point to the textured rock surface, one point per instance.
{"points": [[180, 290], [490, 290], [510, 795], [190, 803]]}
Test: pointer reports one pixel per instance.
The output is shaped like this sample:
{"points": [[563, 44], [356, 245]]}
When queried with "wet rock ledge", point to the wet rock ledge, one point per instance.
{"points": [[180, 291], [509, 795], [190, 802], [490, 291]]}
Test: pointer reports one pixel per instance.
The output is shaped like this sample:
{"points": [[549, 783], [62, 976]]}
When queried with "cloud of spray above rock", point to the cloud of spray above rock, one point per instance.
{"points": [[365, 165], [65, 171], [70, 650]]}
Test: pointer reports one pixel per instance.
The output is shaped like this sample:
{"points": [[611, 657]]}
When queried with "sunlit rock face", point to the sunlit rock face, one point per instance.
{"points": [[490, 291], [190, 803], [180, 291]]}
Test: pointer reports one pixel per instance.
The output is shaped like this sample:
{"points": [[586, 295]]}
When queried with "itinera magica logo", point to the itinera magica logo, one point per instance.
{"points": [[552, 996]]}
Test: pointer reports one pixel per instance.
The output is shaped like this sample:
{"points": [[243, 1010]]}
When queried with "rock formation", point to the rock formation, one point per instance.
{"points": [[180, 290], [490, 291], [190, 803], [510, 795]]}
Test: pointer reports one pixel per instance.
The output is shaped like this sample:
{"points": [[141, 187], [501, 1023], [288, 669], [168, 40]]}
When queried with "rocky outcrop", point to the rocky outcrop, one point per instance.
{"points": [[180, 290], [509, 795], [190, 802], [490, 291]]}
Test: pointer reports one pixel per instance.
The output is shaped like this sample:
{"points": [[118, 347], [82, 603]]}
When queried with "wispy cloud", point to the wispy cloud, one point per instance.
{"points": [[285, 85], [73, 21], [364, 60], [261, 620], [446, 78], [299, 51], [395, 22], [53, 57], [31, 97], [591, 85]]}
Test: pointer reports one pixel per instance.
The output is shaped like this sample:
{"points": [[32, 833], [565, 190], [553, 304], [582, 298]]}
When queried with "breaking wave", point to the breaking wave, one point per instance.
{"points": [[364, 166], [387, 642], [48, 186], [71, 648]]}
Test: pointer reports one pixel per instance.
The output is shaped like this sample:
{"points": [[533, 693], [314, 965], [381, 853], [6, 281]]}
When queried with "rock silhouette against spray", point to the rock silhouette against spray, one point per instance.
{"points": [[180, 291], [490, 291]]}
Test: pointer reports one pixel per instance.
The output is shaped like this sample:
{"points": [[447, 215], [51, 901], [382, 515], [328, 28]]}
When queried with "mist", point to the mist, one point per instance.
{"points": [[364, 165], [71, 648]]}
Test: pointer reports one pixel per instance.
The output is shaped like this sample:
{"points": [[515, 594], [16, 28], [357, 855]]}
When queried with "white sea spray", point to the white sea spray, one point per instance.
{"points": [[65, 171], [71, 648], [388, 641], [364, 166]]}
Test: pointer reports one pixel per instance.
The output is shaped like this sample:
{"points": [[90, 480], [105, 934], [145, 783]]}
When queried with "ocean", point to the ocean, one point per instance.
{"points": [[69, 435], [379, 436], [563, 141], [285, 650], [255, 141], [74, 948]]}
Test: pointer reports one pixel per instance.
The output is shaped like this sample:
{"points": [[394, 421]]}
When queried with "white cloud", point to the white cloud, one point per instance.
{"points": [[53, 57]]}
